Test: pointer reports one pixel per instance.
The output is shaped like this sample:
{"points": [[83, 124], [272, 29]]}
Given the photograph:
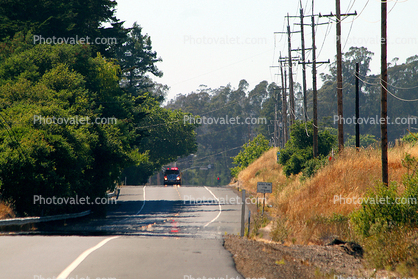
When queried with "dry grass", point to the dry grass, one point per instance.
{"points": [[308, 205], [6, 211]]}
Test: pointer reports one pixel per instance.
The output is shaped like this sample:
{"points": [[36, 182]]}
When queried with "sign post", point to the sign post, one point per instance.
{"points": [[243, 214], [264, 187]]}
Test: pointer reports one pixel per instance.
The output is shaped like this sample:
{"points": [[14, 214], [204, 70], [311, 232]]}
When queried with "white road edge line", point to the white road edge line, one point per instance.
{"points": [[82, 257], [220, 208], [143, 191]]}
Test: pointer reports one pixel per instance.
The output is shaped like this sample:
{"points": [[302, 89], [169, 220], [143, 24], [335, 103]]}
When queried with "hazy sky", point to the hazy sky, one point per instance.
{"points": [[223, 41]]}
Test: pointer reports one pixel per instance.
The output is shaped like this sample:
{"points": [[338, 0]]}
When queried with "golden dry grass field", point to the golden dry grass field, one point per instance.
{"points": [[305, 206]]}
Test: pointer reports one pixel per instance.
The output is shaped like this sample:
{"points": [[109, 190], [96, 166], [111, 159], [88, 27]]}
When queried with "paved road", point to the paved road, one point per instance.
{"points": [[152, 232]]}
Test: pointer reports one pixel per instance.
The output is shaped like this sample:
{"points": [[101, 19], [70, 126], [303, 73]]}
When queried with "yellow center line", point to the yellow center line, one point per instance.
{"points": [[178, 192]]}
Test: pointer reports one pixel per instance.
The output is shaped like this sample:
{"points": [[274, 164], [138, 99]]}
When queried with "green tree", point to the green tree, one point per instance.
{"points": [[299, 151], [63, 19], [62, 81], [365, 140], [249, 153], [137, 59]]}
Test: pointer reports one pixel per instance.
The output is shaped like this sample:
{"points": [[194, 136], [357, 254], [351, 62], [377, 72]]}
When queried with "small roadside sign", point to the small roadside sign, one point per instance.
{"points": [[264, 187]]}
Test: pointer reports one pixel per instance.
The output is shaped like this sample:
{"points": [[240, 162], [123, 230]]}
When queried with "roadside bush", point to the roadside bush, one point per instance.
{"points": [[259, 221], [298, 150], [387, 222], [365, 140], [394, 250], [411, 138], [249, 153], [312, 166], [384, 209], [280, 232]]}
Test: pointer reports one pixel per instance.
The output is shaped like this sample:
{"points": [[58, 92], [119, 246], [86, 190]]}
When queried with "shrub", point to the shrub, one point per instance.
{"points": [[388, 226], [249, 153], [411, 138], [384, 209], [312, 166], [365, 140], [299, 150]]}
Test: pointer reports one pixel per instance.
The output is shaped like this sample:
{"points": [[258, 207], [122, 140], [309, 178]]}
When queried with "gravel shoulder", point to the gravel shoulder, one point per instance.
{"points": [[271, 260]]}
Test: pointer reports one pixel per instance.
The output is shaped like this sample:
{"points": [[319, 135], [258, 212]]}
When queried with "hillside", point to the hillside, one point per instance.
{"points": [[305, 208]]}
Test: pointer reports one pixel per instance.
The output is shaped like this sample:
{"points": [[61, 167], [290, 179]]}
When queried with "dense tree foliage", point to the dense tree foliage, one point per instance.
{"points": [[298, 150], [137, 59], [52, 94], [64, 19], [62, 82], [249, 153]]}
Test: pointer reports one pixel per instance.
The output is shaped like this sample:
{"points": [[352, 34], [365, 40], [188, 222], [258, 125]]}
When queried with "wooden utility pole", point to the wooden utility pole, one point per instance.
{"points": [[357, 106], [305, 101], [339, 74], [314, 89], [290, 59], [339, 81], [303, 49], [290, 64], [276, 130], [314, 83], [384, 95], [284, 105], [275, 135]]}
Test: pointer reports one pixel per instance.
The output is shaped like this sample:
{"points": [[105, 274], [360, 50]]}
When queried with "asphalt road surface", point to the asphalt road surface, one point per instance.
{"points": [[151, 232]]}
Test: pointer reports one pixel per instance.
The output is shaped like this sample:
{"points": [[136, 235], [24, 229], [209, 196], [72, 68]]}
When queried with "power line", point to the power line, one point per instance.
{"points": [[396, 97], [391, 85], [348, 36], [175, 121], [194, 160]]}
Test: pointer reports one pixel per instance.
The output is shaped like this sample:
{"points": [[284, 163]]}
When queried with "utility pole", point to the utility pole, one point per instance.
{"points": [[275, 137], [384, 103], [314, 83], [314, 89], [276, 131], [302, 49], [290, 64], [283, 61], [339, 81], [305, 102], [290, 59], [285, 87], [357, 107], [284, 105], [339, 74]]}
